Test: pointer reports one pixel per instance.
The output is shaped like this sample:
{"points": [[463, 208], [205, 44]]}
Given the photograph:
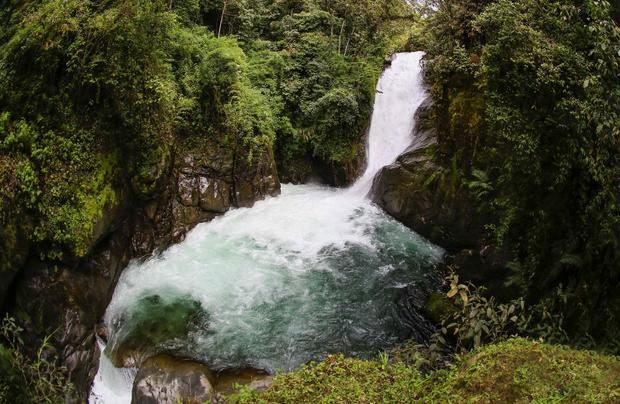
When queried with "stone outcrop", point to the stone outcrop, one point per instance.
{"points": [[170, 379], [406, 190], [167, 380], [67, 302], [67, 299], [207, 180], [411, 191]]}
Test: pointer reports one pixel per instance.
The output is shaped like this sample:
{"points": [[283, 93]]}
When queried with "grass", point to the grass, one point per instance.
{"points": [[514, 371]]}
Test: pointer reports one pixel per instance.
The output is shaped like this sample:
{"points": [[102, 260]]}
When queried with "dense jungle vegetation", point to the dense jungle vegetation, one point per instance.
{"points": [[528, 111], [93, 94], [96, 95]]}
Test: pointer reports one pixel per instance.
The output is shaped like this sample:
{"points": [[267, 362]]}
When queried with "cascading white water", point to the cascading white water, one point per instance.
{"points": [[399, 94], [313, 271]]}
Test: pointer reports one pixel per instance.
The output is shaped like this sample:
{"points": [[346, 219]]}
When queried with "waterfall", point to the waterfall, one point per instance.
{"points": [[313, 271], [400, 92]]}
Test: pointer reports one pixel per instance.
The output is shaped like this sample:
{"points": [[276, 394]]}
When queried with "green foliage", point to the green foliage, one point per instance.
{"points": [[478, 319], [56, 181], [340, 380], [315, 52], [517, 370], [25, 380], [91, 98], [527, 93], [241, 111], [480, 184]]}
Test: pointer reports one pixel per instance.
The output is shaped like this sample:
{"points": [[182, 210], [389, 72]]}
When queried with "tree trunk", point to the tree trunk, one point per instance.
{"points": [[346, 48], [340, 35], [219, 29]]}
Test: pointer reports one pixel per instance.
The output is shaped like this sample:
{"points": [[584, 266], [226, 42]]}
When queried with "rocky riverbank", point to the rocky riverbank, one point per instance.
{"points": [[69, 298]]}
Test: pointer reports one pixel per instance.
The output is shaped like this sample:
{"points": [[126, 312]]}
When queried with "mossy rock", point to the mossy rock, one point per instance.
{"points": [[151, 326], [438, 307], [166, 379], [520, 370]]}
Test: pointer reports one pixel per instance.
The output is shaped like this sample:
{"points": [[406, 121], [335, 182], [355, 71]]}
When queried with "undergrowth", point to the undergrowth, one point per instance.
{"points": [[515, 370], [30, 380]]}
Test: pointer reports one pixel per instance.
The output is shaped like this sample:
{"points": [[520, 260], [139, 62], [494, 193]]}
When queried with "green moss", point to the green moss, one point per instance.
{"points": [[517, 370], [153, 322], [341, 380], [520, 370], [72, 208], [438, 307]]}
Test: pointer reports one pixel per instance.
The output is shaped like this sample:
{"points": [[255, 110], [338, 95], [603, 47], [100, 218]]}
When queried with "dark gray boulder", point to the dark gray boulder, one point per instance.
{"points": [[417, 191]]}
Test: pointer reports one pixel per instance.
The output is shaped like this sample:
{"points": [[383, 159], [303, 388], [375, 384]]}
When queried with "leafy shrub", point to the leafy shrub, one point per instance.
{"points": [[30, 380], [479, 320]]}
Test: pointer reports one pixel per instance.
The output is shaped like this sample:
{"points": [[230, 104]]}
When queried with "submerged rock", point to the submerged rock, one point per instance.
{"points": [[152, 325], [165, 379]]}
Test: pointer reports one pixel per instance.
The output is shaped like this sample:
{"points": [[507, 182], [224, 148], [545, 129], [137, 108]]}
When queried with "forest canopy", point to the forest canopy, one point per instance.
{"points": [[80, 120]]}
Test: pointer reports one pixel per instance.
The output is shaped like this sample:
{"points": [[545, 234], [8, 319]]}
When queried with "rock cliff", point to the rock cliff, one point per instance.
{"points": [[68, 298]]}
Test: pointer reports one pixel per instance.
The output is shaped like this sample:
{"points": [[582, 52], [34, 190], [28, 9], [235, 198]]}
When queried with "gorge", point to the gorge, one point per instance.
{"points": [[319, 200], [313, 271]]}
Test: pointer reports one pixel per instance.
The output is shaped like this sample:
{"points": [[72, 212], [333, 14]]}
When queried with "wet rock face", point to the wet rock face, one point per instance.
{"points": [[164, 379], [67, 302], [206, 181], [448, 219], [402, 190]]}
